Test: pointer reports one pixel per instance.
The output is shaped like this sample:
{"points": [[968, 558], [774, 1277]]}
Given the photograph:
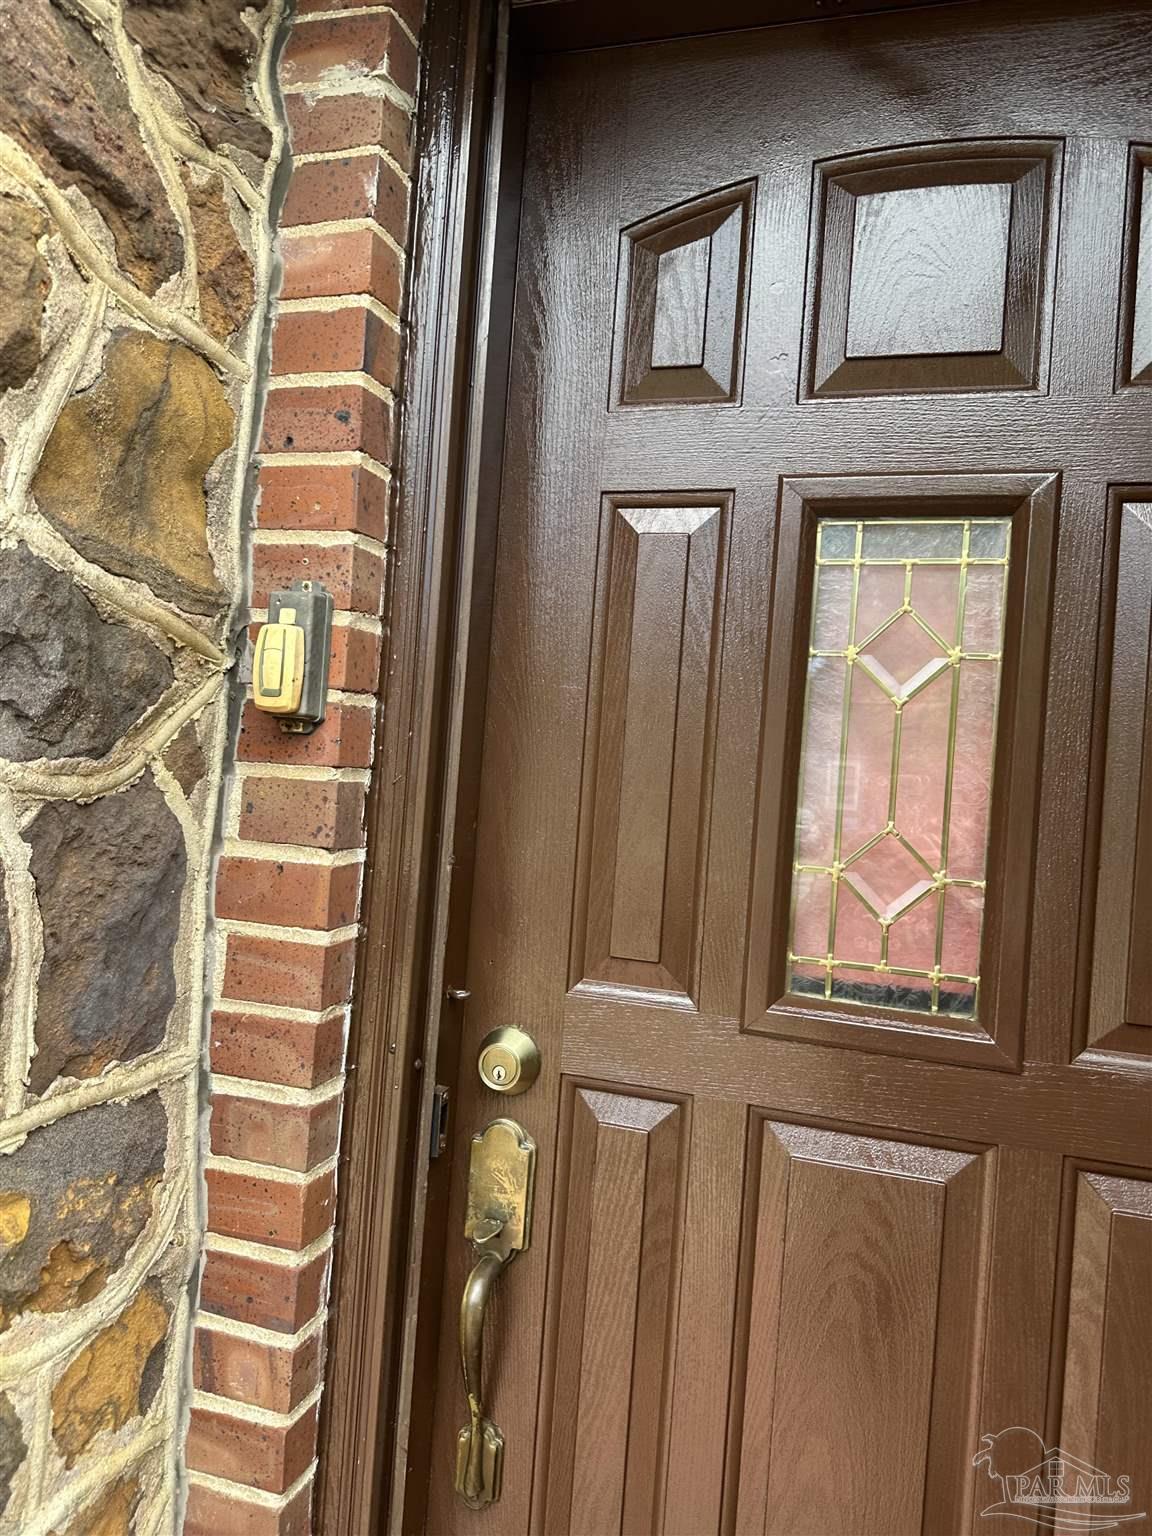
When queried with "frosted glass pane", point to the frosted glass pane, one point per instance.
{"points": [[837, 541], [892, 540], [824, 713], [879, 592], [896, 765], [833, 608], [813, 894], [989, 539]]}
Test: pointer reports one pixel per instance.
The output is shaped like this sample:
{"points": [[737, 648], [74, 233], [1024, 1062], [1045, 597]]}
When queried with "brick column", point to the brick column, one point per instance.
{"points": [[291, 867]]}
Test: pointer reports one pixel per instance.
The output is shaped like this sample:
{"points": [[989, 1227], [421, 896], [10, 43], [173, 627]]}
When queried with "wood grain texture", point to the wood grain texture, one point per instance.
{"points": [[681, 308], [611, 1373], [1136, 362], [929, 270], [694, 1496], [1091, 1110], [1106, 1416], [1120, 1008], [550, 25], [680, 302], [651, 701], [853, 1306], [865, 1319], [518, 947], [932, 269], [1020, 1291]]}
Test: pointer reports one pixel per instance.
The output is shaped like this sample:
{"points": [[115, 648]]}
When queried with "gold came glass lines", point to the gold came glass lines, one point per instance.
{"points": [[896, 762]]}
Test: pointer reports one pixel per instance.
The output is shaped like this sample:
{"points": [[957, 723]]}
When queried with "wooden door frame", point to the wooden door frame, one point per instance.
{"points": [[391, 1215]]}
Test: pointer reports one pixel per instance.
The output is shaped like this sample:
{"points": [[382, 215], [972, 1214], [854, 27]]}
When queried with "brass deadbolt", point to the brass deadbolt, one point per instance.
{"points": [[509, 1061]]}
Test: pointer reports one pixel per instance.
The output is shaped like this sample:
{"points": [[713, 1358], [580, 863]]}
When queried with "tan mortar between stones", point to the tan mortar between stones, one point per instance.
{"points": [[95, 1393]]}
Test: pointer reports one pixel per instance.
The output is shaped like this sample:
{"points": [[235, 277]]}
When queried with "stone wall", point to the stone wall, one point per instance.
{"points": [[138, 150]]}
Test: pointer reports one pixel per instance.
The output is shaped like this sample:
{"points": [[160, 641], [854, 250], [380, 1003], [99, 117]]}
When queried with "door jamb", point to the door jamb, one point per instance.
{"points": [[383, 1166]]}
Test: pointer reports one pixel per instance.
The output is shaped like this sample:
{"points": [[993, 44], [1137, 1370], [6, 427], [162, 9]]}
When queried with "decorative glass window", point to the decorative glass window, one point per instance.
{"points": [[896, 764]]}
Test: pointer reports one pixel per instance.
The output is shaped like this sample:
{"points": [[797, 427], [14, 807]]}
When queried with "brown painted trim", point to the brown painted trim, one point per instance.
{"points": [[482, 431], [562, 24], [383, 1161]]}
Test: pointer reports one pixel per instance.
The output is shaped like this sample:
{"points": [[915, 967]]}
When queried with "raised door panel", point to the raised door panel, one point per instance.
{"points": [[648, 755], [1120, 1003], [680, 302], [1136, 329], [616, 1262], [863, 1329], [931, 269], [1106, 1415]]}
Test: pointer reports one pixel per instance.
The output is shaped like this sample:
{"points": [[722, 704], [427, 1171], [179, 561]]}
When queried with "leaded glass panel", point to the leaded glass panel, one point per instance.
{"points": [[896, 767]]}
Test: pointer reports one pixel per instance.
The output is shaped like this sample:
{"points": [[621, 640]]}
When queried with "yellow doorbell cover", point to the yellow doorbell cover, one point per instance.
{"points": [[278, 668]]}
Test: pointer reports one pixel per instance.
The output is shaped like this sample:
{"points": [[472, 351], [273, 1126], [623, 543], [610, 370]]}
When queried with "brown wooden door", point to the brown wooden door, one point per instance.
{"points": [[815, 808]]}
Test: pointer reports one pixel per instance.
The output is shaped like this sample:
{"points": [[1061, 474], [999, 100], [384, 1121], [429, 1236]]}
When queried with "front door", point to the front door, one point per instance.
{"points": [[815, 822]]}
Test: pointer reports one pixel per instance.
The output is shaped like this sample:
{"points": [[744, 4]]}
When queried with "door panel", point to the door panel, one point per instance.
{"points": [[657, 622], [1106, 1417], [813, 757], [931, 269], [863, 1332], [1136, 331], [680, 302], [1120, 1016], [613, 1308]]}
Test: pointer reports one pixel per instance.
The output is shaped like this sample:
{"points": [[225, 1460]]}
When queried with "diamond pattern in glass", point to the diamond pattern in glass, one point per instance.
{"points": [[887, 877], [921, 592], [903, 657]]}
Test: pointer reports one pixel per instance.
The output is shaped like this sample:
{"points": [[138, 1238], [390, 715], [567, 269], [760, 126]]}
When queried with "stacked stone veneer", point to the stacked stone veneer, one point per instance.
{"points": [[138, 147]]}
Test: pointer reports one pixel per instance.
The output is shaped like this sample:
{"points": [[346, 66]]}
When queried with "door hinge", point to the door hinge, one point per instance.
{"points": [[440, 1111]]}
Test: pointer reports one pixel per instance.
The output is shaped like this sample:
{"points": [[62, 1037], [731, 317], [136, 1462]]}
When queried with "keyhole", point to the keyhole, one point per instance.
{"points": [[499, 1073]]}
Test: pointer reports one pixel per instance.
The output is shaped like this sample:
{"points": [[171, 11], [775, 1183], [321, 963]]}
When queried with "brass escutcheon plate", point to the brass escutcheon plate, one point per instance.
{"points": [[490, 1468], [501, 1173]]}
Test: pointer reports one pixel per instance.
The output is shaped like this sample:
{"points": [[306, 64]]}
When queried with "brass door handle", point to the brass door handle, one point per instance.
{"points": [[481, 1447], [500, 1178]]}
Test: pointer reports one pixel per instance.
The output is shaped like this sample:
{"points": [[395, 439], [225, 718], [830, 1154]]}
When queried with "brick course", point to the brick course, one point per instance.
{"points": [[283, 1134], [352, 572], [330, 123], [277, 1374], [332, 263], [268, 1456], [280, 891], [344, 740], [216, 1512], [344, 340], [320, 52], [324, 496], [348, 186], [262, 1291], [328, 418], [317, 813], [278, 1212]]}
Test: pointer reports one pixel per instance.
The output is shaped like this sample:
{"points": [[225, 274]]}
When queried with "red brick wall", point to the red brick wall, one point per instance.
{"points": [[290, 872]]}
